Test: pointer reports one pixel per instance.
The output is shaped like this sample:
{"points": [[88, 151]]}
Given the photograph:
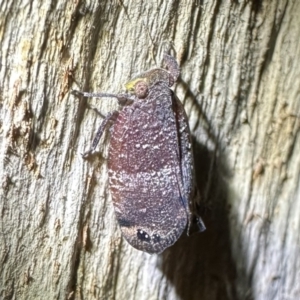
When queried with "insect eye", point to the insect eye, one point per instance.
{"points": [[141, 89], [143, 235]]}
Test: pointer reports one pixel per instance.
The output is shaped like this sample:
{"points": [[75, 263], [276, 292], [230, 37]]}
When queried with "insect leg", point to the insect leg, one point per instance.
{"points": [[123, 99], [108, 121], [200, 224], [96, 95]]}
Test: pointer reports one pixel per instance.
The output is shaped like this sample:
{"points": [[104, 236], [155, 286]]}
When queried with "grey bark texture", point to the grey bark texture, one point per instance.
{"points": [[240, 84]]}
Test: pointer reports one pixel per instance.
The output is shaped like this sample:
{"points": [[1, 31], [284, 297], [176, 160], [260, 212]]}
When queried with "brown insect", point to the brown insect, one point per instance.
{"points": [[150, 160]]}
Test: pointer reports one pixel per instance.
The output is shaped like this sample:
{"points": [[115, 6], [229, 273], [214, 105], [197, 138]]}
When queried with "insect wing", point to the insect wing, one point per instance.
{"points": [[185, 151], [148, 186]]}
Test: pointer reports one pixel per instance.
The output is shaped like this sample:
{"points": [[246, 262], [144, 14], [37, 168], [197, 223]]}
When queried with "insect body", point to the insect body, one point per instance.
{"points": [[150, 160]]}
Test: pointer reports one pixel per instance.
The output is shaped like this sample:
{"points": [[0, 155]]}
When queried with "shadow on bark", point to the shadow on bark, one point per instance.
{"points": [[200, 266]]}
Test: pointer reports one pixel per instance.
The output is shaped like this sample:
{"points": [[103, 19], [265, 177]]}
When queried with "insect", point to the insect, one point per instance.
{"points": [[150, 162]]}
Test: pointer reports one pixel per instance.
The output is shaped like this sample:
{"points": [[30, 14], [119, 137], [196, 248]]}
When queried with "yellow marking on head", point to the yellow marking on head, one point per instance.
{"points": [[131, 84], [149, 77]]}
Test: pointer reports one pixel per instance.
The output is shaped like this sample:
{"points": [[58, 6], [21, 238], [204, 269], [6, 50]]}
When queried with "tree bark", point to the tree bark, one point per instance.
{"points": [[240, 64]]}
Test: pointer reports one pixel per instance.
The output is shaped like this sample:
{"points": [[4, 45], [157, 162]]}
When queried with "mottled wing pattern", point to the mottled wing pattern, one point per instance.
{"points": [[185, 150], [149, 170]]}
